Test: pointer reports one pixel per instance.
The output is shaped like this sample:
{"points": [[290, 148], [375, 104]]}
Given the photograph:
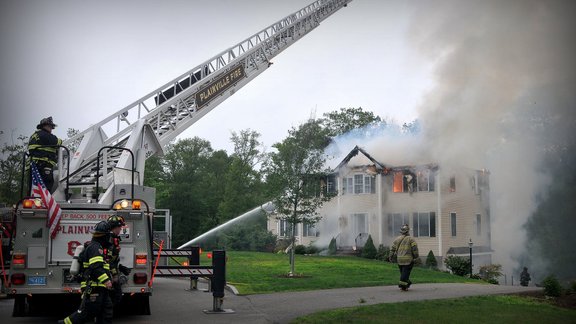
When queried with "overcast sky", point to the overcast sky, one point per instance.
{"points": [[80, 61]]}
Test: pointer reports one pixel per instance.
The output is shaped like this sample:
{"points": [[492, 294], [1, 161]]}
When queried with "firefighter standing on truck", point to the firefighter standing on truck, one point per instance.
{"points": [[119, 272], [96, 280], [43, 150]]}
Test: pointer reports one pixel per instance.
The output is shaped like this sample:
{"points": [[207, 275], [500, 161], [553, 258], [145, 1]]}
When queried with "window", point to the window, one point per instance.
{"points": [[452, 183], [309, 230], [424, 224], [359, 184], [404, 181], [478, 224], [398, 185], [331, 184], [425, 179], [395, 222], [347, 186], [286, 228], [453, 223]]}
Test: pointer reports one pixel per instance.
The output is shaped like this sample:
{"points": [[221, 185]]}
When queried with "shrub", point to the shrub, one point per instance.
{"points": [[300, 249], [431, 261], [459, 266], [573, 286], [491, 273], [311, 249], [332, 247], [383, 253], [552, 286], [369, 250]]}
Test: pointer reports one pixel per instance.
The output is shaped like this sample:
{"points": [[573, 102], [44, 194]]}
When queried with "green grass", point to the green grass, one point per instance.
{"points": [[485, 309], [257, 273]]}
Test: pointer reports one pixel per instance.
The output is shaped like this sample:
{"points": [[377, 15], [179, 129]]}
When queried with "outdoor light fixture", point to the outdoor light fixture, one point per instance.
{"points": [[470, 245]]}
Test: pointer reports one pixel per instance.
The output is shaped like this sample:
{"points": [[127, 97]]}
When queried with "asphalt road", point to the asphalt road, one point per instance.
{"points": [[173, 303]]}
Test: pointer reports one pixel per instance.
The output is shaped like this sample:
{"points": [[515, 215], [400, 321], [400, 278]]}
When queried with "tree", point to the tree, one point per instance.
{"points": [[341, 122], [11, 170], [243, 188], [369, 250], [294, 173], [431, 260]]}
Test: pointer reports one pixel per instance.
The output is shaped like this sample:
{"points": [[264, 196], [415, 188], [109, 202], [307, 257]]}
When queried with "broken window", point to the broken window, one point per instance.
{"points": [[453, 184], [398, 185], [409, 181], [453, 223], [424, 224]]}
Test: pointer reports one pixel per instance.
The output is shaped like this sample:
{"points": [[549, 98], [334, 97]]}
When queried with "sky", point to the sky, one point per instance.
{"points": [[80, 61], [492, 82]]}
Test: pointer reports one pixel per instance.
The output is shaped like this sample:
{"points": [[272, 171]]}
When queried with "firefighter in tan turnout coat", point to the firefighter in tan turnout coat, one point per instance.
{"points": [[405, 251]]}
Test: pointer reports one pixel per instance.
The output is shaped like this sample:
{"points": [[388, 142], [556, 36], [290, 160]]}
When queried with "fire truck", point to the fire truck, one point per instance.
{"points": [[100, 170]]}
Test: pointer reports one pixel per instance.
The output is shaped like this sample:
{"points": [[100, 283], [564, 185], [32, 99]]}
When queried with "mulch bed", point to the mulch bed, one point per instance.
{"points": [[564, 301]]}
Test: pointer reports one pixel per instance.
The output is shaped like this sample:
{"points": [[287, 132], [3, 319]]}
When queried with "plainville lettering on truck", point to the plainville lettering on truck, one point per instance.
{"points": [[219, 85], [74, 229]]}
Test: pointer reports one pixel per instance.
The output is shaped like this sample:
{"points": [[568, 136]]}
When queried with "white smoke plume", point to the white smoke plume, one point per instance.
{"points": [[504, 93]]}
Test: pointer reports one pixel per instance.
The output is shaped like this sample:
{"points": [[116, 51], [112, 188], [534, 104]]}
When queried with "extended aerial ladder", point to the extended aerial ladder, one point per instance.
{"points": [[147, 125]]}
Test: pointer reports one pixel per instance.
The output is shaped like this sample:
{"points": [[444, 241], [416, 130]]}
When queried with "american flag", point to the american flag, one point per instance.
{"points": [[39, 190]]}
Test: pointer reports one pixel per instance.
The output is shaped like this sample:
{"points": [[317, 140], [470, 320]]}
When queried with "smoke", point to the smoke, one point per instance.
{"points": [[503, 99], [503, 96]]}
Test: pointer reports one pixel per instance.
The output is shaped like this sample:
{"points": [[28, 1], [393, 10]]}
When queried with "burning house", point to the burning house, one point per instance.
{"points": [[445, 207]]}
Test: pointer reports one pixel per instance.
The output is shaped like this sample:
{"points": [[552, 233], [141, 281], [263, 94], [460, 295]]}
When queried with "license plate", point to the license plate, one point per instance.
{"points": [[37, 280]]}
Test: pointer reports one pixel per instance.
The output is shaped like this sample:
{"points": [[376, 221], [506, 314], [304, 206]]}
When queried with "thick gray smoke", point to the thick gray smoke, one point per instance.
{"points": [[504, 96]]}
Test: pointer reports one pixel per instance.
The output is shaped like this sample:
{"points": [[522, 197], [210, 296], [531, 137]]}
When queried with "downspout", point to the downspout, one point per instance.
{"points": [[379, 193], [439, 212]]}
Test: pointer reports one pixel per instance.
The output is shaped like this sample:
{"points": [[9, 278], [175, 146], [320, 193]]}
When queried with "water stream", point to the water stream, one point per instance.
{"points": [[268, 207]]}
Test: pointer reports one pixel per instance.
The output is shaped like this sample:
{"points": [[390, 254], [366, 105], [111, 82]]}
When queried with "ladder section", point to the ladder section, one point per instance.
{"points": [[176, 105]]}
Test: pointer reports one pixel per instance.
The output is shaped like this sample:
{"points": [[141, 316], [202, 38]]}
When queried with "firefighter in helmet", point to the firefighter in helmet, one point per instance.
{"points": [[96, 280], [119, 272], [405, 250], [43, 151]]}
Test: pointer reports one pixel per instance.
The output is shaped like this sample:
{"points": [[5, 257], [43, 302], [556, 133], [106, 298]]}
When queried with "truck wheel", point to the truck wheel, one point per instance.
{"points": [[144, 305], [19, 309]]}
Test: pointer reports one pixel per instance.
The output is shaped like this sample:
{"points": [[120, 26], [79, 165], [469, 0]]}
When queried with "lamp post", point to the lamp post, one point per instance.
{"points": [[470, 246]]}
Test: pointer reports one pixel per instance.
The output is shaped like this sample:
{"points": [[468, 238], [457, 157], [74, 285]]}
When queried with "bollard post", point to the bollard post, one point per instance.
{"points": [[194, 260], [218, 282]]}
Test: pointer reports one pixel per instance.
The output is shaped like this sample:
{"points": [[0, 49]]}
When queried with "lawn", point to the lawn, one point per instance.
{"points": [[258, 272], [484, 309]]}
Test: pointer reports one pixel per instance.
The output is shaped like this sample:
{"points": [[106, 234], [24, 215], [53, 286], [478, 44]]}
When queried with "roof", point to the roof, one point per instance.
{"points": [[354, 152]]}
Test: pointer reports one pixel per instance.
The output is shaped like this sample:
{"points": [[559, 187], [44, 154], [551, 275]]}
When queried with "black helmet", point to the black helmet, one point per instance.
{"points": [[116, 221], [46, 121], [405, 229], [101, 229]]}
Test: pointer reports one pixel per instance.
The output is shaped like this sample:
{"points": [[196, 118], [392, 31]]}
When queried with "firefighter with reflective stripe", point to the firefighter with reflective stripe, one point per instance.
{"points": [[97, 280], [406, 251], [43, 151], [119, 272]]}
